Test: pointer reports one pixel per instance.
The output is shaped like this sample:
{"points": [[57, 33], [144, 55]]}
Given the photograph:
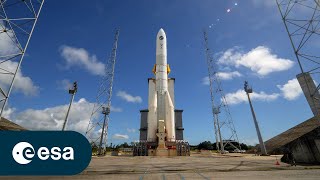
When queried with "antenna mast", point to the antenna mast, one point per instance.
{"points": [[301, 19], [97, 130], [224, 129]]}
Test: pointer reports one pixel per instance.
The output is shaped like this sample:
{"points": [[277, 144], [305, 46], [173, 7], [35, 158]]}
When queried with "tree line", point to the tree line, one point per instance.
{"points": [[205, 145]]}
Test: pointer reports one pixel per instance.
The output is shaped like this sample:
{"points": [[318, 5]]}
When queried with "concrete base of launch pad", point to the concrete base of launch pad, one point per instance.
{"points": [[197, 166], [163, 152], [166, 149]]}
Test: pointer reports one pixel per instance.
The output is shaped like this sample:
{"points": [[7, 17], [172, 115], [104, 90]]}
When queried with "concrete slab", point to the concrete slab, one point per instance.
{"points": [[197, 166]]}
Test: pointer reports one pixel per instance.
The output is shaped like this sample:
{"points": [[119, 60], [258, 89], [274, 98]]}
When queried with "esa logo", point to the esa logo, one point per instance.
{"points": [[23, 152], [31, 153]]}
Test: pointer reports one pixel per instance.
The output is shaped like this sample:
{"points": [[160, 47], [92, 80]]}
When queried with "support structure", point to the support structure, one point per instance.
{"points": [[216, 129], [248, 90], [72, 92], [17, 22], [216, 112], [105, 112], [97, 130], [301, 19], [223, 124]]}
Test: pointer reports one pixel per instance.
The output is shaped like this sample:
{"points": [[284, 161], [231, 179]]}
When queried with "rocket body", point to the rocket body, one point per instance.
{"points": [[161, 106]]}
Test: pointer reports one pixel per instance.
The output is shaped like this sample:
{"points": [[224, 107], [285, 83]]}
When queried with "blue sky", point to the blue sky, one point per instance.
{"points": [[73, 39]]}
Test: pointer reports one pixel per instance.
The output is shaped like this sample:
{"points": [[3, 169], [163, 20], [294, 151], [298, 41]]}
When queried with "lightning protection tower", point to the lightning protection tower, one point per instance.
{"points": [[97, 130], [225, 132], [18, 19], [301, 19]]}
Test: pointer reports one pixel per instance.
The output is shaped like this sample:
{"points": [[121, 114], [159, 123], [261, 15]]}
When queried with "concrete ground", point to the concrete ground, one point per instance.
{"points": [[197, 166]]}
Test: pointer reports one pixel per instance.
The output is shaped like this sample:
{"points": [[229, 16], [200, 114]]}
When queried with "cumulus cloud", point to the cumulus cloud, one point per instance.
{"points": [[8, 49], [240, 96], [259, 60], [7, 112], [81, 58], [205, 81], [22, 83], [131, 130], [291, 90], [223, 76], [129, 98], [120, 136], [7, 41], [228, 75], [64, 84], [52, 118], [115, 109]]}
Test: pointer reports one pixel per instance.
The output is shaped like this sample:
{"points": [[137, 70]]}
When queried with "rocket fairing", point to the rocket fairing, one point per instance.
{"points": [[161, 106]]}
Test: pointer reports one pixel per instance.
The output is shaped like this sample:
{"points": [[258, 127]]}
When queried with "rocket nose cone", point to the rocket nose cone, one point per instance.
{"points": [[161, 31], [161, 34], [161, 44]]}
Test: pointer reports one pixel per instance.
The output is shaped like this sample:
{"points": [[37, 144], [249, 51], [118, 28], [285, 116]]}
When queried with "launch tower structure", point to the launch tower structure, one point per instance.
{"points": [[97, 130], [225, 132], [17, 23], [301, 19]]}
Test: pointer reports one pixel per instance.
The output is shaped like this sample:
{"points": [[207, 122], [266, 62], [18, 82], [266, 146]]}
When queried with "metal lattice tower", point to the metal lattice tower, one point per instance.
{"points": [[301, 19], [17, 22], [97, 130], [225, 132]]}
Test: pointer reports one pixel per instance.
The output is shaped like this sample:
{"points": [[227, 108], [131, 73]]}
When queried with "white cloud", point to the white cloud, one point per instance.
{"points": [[291, 90], [228, 75], [115, 109], [260, 60], [131, 130], [22, 83], [205, 81], [80, 57], [64, 84], [129, 98], [222, 76], [52, 118], [240, 96], [230, 56], [7, 112], [8, 48], [120, 136], [7, 41]]}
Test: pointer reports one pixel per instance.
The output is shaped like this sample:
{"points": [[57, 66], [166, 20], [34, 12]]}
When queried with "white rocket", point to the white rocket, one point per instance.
{"points": [[161, 106]]}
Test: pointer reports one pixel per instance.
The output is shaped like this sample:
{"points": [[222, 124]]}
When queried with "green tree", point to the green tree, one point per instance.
{"points": [[206, 145]]}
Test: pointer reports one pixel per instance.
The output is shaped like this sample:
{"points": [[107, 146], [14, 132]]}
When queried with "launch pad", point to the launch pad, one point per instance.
{"points": [[161, 130], [166, 147], [177, 148]]}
